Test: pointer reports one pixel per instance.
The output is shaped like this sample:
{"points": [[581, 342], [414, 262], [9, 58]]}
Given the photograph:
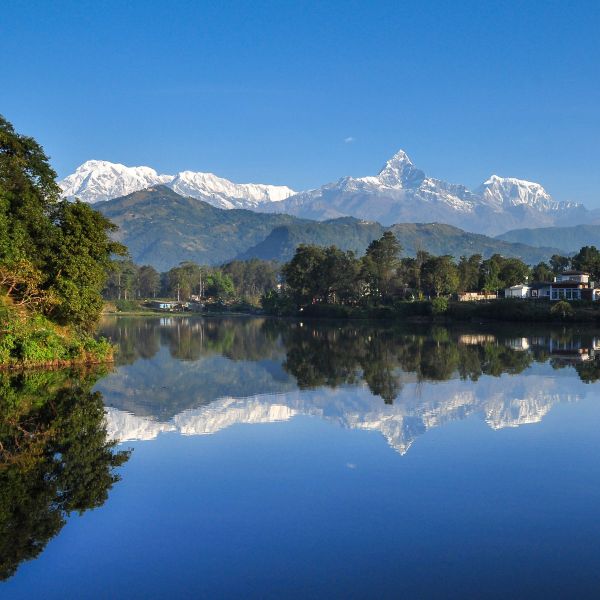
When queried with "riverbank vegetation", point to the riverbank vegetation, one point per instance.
{"points": [[237, 284], [54, 257], [327, 282]]}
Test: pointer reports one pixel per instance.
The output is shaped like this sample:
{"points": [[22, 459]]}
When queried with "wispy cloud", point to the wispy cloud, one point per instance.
{"points": [[349, 140]]}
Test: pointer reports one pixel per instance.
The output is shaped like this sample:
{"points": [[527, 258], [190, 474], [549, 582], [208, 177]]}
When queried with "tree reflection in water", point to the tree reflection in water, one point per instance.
{"points": [[321, 353], [55, 458]]}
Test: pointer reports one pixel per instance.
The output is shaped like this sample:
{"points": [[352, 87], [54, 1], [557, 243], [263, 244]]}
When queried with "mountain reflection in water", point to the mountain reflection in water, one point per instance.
{"points": [[199, 376]]}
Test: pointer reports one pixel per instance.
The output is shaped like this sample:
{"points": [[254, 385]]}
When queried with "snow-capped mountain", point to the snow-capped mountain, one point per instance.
{"points": [[400, 193], [504, 192], [98, 180], [225, 194], [403, 193]]}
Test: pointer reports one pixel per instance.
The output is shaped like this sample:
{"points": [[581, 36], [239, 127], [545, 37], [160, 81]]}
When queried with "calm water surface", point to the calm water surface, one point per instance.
{"points": [[253, 458]]}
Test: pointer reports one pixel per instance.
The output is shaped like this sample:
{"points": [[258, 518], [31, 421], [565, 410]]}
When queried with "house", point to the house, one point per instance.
{"points": [[540, 289], [572, 285], [165, 305], [568, 285], [476, 296], [521, 290]]}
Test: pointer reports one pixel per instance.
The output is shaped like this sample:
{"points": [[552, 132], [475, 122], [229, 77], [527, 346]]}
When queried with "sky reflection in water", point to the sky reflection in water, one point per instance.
{"points": [[396, 461]]}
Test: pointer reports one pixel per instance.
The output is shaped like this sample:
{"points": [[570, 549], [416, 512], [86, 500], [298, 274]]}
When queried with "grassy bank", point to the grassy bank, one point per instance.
{"points": [[31, 340]]}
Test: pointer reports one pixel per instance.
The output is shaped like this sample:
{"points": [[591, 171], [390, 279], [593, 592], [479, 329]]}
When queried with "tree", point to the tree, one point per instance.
{"points": [[65, 246], [587, 260], [185, 280], [300, 274], [252, 278], [559, 263], [80, 259], [513, 271], [149, 281], [440, 276], [218, 285], [562, 309], [468, 273], [380, 265], [542, 272], [489, 274]]}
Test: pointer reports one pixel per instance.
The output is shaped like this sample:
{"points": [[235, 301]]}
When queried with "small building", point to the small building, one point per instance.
{"points": [[164, 305], [476, 296], [517, 291]]}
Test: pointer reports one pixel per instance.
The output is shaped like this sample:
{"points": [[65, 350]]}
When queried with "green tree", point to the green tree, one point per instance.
{"points": [[300, 274], [489, 274], [148, 281], [468, 273], [380, 266], [65, 247], [587, 260], [559, 263], [440, 276], [218, 285], [513, 271], [542, 272]]}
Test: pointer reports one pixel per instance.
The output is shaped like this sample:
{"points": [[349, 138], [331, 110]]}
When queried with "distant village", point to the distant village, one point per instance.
{"points": [[568, 285]]}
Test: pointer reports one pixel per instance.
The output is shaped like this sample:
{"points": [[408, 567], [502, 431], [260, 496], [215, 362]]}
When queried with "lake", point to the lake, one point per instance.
{"points": [[265, 458]]}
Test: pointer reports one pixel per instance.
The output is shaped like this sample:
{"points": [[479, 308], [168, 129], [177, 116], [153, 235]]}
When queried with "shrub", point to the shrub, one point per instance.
{"points": [[439, 306], [562, 309]]}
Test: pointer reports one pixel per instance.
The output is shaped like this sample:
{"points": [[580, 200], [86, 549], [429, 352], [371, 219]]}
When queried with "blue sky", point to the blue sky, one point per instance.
{"points": [[272, 91]]}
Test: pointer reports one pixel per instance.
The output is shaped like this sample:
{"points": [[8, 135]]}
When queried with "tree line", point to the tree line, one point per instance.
{"points": [[245, 280], [382, 276]]}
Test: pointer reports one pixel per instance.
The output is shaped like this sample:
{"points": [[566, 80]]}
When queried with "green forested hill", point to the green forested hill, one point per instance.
{"points": [[570, 239], [163, 228], [351, 234]]}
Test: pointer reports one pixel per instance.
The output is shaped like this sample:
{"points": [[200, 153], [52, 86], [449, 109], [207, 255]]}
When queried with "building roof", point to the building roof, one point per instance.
{"points": [[573, 273], [536, 285], [568, 284]]}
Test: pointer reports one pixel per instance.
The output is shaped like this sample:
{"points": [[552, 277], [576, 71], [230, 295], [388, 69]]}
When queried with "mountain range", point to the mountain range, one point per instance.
{"points": [[400, 193], [570, 239], [98, 180], [163, 228]]}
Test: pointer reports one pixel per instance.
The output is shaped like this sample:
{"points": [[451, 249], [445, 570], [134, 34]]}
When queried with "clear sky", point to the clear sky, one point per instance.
{"points": [[302, 93]]}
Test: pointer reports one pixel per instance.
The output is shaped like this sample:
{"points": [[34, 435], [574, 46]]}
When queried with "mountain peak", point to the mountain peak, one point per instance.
{"points": [[98, 180], [400, 172]]}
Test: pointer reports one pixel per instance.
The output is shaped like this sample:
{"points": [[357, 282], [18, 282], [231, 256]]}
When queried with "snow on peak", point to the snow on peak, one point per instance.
{"points": [[501, 192], [98, 180], [197, 185], [400, 172]]}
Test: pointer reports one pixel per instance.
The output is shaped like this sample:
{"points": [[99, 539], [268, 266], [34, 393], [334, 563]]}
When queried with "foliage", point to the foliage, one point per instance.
{"points": [[542, 272], [54, 256], [380, 265], [32, 339], [439, 305], [439, 276], [562, 309], [588, 260], [58, 251]]}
